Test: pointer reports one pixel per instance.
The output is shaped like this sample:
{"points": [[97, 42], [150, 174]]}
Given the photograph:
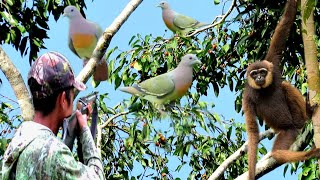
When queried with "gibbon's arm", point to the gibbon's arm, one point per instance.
{"points": [[295, 101], [253, 135], [281, 33]]}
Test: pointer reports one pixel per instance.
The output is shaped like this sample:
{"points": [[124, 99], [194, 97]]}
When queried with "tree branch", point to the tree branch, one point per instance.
{"points": [[233, 5], [238, 154], [105, 40], [113, 117], [20, 90], [268, 163]]}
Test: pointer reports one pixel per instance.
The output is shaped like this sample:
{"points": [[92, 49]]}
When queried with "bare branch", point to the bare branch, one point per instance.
{"points": [[233, 5], [238, 154], [10, 99], [113, 117], [105, 40], [15, 79]]}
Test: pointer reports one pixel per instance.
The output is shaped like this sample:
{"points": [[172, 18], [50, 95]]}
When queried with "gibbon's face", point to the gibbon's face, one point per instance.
{"points": [[259, 74]]}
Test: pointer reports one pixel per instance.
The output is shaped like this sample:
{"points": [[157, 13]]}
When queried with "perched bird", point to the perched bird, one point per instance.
{"points": [[169, 86], [176, 22], [83, 38]]}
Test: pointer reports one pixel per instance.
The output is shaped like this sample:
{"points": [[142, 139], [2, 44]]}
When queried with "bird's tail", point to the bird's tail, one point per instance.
{"points": [[131, 90], [101, 71]]}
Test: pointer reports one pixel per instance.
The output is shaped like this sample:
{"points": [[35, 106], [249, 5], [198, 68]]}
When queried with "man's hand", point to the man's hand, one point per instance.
{"points": [[83, 118]]}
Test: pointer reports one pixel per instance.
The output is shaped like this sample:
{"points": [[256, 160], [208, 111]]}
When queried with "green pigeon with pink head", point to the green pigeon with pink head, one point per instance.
{"points": [[176, 22], [83, 38], [169, 86]]}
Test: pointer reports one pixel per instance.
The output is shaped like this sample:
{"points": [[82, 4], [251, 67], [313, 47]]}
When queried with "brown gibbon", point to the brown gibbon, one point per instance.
{"points": [[277, 102]]}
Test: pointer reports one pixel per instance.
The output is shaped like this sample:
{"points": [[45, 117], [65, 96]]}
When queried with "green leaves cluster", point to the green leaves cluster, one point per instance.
{"points": [[149, 139], [8, 124]]}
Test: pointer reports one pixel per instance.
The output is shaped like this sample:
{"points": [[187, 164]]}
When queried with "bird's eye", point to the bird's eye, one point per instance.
{"points": [[72, 10], [190, 58]]}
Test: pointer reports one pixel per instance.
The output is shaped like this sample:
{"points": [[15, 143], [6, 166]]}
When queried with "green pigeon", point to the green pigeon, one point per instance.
{"points": [[83, 38], [169, 86], [176, 22]]}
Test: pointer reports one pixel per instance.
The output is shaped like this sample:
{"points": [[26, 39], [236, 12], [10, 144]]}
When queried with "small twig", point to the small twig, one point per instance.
{"points": [[9, 99], [239, 153], [113, 117], [214, 24]]}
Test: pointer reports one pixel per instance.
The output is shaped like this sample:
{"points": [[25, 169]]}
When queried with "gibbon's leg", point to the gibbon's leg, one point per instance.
{"points": [[284, 140]]}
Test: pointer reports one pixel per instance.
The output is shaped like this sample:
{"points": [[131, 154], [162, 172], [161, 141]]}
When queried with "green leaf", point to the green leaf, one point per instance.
{"points": [[9, 18], [226, 48], [309, 7], [132, 38], [137, 66], [216, 2], [110, 52], [146, 132]]}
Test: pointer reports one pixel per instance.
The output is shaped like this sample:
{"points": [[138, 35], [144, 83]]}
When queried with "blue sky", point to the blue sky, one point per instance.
{"points": [[145, 20]]}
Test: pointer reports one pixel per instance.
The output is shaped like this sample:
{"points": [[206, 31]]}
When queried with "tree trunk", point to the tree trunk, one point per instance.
{"points": [[312, 66], [15, 79]]}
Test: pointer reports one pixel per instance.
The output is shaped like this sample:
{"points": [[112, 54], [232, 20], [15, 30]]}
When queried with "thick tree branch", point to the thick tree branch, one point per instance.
{"points": [[20, 90], [268, 163], [105, 40], [238, 154], [223, 18]]}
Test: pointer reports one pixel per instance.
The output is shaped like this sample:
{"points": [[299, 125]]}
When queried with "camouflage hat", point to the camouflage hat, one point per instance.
{"points": [[52, 70]]}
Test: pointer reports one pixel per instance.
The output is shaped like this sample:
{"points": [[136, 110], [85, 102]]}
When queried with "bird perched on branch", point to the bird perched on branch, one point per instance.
{"points": [[83, 38], [168, 86], [176, 22]]}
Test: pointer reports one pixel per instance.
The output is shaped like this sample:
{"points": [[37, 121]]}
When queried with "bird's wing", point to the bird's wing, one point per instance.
{"points": [[182, 21], [70, 43], [158, 86]]}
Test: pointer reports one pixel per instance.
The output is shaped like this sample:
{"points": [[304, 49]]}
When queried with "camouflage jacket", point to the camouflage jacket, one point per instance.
{"points": [[36, 153]]}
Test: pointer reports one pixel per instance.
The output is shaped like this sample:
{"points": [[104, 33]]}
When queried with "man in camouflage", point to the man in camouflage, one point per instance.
{"points": [[35, 152]]}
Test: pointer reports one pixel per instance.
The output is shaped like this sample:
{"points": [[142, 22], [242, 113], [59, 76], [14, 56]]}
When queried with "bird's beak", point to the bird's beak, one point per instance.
{"points": [[197, 62], [64, 14]]}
